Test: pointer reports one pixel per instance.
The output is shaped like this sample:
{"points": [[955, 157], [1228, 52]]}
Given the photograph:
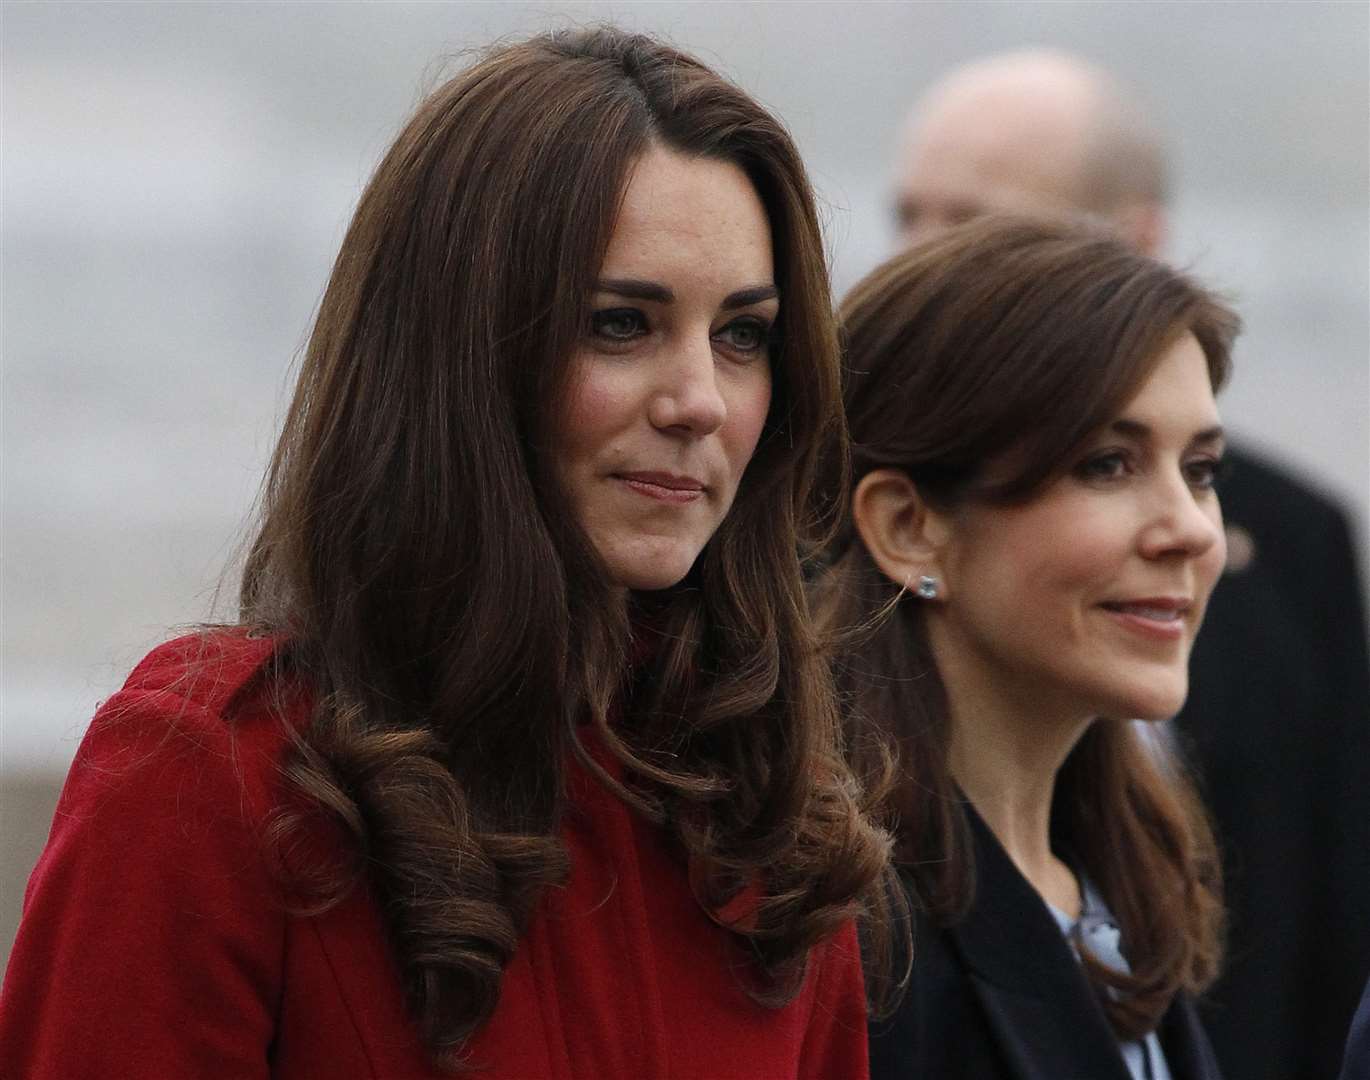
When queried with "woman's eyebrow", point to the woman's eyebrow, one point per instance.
{"points": [[636, 289], [1135, 429], [639, 289], [746, 297]]}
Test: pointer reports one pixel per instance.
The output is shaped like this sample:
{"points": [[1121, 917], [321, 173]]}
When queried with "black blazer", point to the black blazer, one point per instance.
{"points": [[1278, 725], [1357, 1064], [1001, 996]]}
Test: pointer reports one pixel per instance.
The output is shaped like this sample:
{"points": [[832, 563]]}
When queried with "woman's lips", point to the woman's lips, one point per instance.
{"points": [[1159, 618], [664, 487]]}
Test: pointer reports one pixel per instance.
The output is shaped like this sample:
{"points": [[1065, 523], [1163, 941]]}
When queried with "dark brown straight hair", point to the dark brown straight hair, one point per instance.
{"points": [[1008, 340], [423, 567]]}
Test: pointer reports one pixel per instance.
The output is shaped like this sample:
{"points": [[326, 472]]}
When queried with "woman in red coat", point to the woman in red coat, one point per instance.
{"points": [[521, 761]]}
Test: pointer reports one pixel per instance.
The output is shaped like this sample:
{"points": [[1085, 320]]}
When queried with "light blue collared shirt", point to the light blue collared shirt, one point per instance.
{"points": [[1097, 929]]}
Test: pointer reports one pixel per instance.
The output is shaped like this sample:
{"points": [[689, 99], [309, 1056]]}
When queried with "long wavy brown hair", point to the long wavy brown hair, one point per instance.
{"points": [[455, 625], [1009, 340]]}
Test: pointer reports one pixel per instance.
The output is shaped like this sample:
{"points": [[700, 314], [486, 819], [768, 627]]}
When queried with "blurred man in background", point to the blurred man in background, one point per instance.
{"points": [[1277, 724]]}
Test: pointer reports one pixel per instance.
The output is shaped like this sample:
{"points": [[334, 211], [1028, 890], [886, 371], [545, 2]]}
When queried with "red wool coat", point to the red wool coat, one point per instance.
{"points": [[154, 943]]}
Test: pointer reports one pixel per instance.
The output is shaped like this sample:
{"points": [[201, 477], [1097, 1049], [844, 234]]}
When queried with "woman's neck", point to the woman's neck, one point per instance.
{"points": [[1006, 760]]}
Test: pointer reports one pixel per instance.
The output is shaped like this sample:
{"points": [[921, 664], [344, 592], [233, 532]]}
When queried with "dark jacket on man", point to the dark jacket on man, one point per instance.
{"points": [[1278, 728]]}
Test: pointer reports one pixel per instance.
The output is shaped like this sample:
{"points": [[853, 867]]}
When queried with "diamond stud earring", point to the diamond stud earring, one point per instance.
{"points": [[927, 588]]}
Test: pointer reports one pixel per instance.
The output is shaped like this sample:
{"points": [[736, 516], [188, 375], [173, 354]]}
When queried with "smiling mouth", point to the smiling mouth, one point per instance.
{"points": [[1161, 618], [1148, 609]]}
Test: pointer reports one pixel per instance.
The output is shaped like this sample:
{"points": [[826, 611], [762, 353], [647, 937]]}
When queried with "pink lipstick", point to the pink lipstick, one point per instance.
{"points": [[663, 486], [1160, 618]]}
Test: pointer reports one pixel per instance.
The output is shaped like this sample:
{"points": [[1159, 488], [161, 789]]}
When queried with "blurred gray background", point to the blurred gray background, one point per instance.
{"points": [[177, 178]]}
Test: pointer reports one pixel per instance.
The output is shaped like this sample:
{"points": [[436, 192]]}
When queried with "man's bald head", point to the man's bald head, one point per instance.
{"points": [[1031, 132]]}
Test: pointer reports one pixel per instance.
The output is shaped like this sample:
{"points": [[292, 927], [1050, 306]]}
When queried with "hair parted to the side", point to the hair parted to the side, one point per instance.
{"points": [[424, 569], [1009, 340]]}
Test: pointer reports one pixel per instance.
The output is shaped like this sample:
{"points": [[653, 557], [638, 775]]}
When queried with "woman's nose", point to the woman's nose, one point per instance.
{"points": [[1184, 520], [687, 396]]}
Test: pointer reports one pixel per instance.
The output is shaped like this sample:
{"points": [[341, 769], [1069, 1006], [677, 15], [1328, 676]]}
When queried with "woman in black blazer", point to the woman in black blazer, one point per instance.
{"points": [[1034, 533]]}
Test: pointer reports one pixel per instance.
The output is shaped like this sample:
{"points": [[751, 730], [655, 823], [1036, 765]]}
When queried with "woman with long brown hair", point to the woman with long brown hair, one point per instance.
{"points": [[1034, 533], [522, 759]]}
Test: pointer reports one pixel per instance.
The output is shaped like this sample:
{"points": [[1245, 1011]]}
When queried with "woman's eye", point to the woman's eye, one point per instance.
{"points": [[1107, 466], [618, 324], [749, 335], [1204, 472]]}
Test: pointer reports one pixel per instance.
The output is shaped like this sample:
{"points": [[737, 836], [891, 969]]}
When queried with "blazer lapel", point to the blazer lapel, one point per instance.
{"points": [[1039, 1003], [1187, 1049]]}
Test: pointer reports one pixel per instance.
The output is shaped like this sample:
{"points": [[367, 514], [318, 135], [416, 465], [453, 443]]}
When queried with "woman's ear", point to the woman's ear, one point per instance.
{"points": [[904, 537]]}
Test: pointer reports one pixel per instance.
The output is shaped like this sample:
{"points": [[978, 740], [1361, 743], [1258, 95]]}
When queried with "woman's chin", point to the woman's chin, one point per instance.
{"points": [[1150, 704], [651, 574], [1159, 705]]}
